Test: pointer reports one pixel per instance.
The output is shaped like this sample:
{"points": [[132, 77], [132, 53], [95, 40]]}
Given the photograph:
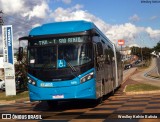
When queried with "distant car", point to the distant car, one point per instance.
{"points": [[2, 84], [127, 66], [137, 62]]}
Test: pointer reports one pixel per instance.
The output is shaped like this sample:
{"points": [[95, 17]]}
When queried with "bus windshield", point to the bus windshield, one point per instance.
{"points": [[60, 56]]}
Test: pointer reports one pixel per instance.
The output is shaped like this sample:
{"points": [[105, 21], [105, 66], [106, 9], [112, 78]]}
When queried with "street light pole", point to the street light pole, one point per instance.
{"points": [[1, 19], [142, 52], [141, 55]]}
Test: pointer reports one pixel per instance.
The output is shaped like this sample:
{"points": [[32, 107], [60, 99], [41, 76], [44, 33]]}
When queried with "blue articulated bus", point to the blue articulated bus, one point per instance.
{"points": [[71, 60]]}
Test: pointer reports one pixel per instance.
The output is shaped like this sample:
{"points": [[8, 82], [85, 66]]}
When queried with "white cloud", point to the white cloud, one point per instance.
{"points": [[39, 11], [153, 17], [113, 32], [64, 1], [67, 1], [134, 18], [35, 25], [127, 31], [30, 8], [14, 10], [75, 13], [153, 33], [12, 6]]}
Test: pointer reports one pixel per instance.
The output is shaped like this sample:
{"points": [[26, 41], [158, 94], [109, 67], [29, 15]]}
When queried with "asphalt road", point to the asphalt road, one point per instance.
{"points": [[112, 109]]}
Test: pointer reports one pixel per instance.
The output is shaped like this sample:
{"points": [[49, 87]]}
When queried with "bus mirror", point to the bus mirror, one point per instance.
{"points": [[20, 54], [100, 48]]}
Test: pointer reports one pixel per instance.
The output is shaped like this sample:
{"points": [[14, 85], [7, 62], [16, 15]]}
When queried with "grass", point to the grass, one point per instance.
{"points": [[19, 95], [141, 87], [146, 64]]}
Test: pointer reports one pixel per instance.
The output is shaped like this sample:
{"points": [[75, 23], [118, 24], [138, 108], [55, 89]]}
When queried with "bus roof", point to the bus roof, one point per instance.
{"points": [[62, 28]]}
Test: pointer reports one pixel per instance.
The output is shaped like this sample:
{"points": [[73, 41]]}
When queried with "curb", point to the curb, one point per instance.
{"points": [[6, 102], [124, 80], [142, 92]]}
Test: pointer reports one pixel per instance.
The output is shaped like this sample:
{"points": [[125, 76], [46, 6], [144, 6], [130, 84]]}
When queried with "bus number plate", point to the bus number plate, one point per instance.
{"points": [[58, 96]]}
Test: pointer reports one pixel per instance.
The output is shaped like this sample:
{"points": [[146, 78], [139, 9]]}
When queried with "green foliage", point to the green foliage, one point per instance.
{"points": [[141, 87], [145, 52], [157, 47], [21, 69]]}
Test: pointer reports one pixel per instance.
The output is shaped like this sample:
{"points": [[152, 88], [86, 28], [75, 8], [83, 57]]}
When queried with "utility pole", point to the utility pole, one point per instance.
{"points": [[1, 23], [1, 18]]}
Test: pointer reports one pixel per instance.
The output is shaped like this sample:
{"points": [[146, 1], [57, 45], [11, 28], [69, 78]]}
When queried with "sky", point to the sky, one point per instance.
{"points": [[135, 21]]}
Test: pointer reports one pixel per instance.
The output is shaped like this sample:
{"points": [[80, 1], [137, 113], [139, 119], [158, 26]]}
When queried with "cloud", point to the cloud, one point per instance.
{"points": [[127, 31], [153, 33], [113, 32], [67, 1], [39, 11], [134, 18], [23, 15], [153, 17], [12, 6], [75, 13], [64, 1]]}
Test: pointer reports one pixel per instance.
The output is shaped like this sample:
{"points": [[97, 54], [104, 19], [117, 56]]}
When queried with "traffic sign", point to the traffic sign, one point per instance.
{"points": [[121, 42]]}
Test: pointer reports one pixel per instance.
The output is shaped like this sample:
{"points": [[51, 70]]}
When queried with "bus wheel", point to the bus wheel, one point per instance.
{"points": [[100, 100], [52, 104], [113, 90]]}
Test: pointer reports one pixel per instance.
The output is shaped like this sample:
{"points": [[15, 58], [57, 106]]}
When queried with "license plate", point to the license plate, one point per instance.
{"points": [[58, 96]]}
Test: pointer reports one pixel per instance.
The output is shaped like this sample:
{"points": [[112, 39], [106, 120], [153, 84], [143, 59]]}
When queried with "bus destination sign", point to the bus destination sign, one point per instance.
{"points": [[58, 41]]}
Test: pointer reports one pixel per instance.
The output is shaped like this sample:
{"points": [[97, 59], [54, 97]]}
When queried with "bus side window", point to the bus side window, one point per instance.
{"points": [[99, 48], [107, 58]]}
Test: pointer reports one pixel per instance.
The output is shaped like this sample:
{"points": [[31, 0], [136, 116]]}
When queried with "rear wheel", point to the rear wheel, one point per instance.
{"points": [[113, 90], [3, 86]]}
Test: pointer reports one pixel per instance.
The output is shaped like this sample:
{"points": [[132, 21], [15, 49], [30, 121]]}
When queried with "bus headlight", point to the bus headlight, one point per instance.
{"points": [[34, 83], [30, 81], [87, 77]]}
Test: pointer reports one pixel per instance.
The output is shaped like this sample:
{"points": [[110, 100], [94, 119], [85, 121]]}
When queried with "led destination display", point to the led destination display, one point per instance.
{"points": [[59, 41]]}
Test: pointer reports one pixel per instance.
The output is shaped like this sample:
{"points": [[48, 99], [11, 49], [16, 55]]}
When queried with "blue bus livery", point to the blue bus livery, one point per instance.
{"points": [[71, 60]]}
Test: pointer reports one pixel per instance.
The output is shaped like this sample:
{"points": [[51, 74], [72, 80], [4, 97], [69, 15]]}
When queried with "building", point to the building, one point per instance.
{"points": [[2, 66], [126, 52]]}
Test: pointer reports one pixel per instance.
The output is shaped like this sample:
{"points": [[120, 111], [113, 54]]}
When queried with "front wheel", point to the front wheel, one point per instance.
{"points": [[52, 104]]}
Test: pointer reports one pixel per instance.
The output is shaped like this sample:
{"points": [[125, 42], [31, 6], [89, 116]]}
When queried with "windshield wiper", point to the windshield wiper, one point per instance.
{"points": [[70, 65]]}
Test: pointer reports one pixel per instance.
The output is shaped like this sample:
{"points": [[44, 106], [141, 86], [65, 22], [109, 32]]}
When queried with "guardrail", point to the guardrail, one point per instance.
{"points": [[151, 72]]}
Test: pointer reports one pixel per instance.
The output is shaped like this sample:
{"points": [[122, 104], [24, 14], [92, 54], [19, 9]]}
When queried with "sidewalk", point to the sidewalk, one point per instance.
{"points": [[7, 102]]}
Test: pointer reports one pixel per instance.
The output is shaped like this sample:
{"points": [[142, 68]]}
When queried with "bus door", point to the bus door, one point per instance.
{"points": [[98, 52]]}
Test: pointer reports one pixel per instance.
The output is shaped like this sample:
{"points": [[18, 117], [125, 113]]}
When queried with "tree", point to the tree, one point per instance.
{"points": [[135, 51], [157, 47], [21, 69], [145, 52]]}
